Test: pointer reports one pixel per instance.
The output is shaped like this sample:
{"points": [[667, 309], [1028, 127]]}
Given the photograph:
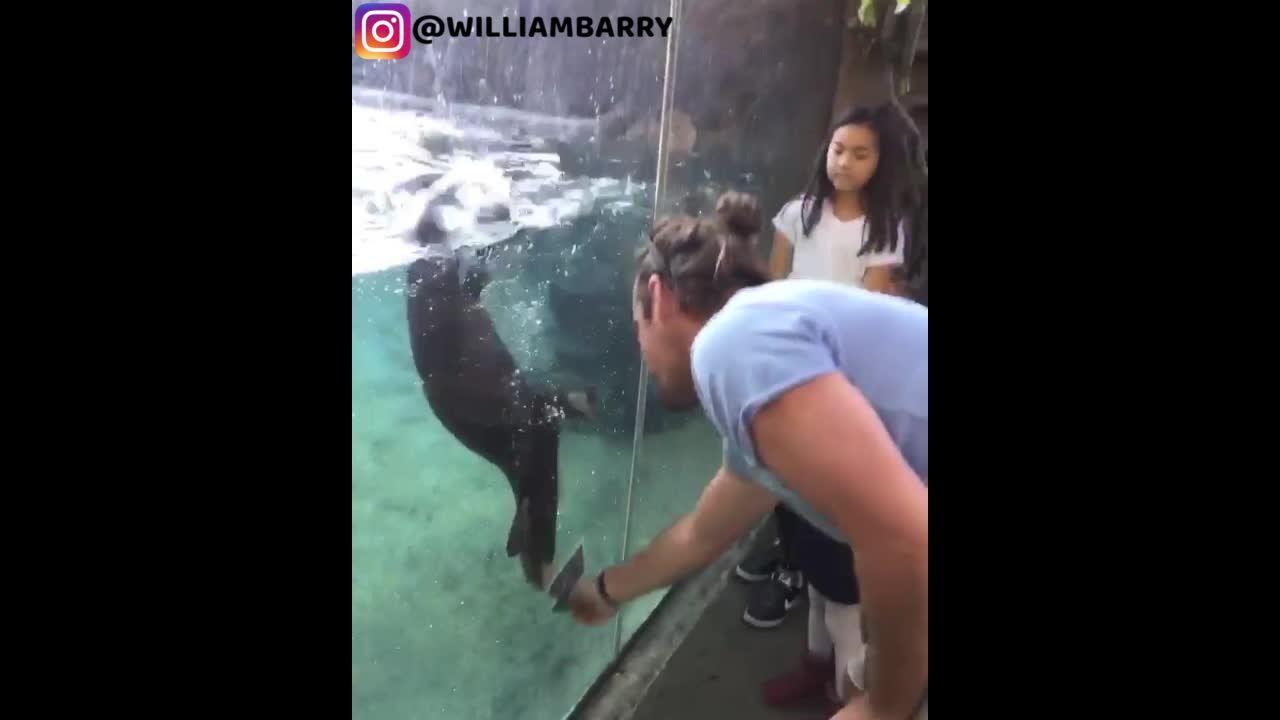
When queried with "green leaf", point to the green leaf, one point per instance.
{"points": [[902, 5], [867, 13]]}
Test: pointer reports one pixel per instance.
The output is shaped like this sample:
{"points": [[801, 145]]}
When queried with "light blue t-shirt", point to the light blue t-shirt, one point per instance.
{"points": [[771, 338]]}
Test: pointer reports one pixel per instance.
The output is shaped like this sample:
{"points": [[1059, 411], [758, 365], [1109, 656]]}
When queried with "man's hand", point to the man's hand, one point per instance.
{"points": [[587, 605], [728, 508]]}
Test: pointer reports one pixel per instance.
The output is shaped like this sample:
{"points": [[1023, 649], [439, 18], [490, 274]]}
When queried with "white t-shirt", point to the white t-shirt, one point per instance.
{"points": [[830, 252]]}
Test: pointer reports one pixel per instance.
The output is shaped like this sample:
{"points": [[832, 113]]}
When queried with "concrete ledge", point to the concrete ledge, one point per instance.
{"points": [[618, 691]]}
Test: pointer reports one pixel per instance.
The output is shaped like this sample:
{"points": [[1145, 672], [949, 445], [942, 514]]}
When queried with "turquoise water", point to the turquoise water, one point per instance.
{"points": [[443, 624]]}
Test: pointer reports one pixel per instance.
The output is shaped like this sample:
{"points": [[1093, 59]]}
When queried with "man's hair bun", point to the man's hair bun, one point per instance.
{"points": [[740, 212]]}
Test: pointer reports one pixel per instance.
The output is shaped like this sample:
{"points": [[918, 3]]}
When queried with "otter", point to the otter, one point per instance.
{"points": [[473, 386]]}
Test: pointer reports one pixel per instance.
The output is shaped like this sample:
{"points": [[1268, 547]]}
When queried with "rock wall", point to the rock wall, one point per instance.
{"points": [[757, 79]]}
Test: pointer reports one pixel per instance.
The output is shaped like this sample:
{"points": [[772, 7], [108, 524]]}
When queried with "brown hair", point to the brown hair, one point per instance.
{"points": [[706, 261]]}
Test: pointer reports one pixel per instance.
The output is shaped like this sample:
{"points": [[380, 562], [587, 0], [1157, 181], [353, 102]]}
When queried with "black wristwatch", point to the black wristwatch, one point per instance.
{"points": [[603, 592]]}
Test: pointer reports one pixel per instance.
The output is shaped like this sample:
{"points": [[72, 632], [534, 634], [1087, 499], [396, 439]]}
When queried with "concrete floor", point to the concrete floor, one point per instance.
{"points": [[718, 669]]}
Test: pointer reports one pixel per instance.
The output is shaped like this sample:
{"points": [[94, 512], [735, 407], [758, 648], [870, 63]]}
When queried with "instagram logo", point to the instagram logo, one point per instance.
{"points": [[382, 31]]}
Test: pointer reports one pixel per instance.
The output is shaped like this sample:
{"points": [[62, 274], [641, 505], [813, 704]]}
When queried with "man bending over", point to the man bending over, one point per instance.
{"points": [[821, 396]]}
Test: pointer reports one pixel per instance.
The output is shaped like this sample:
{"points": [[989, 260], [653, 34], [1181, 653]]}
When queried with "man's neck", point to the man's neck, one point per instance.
{"points": [[689, 329]]}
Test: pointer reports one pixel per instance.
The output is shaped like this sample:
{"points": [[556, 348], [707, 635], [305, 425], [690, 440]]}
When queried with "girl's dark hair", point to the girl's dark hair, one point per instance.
{"points": [[886, 191], [913, 276], [705, 260]]}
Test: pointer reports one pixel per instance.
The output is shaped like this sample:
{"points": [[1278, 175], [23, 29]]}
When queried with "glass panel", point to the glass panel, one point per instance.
{"points": [[520, 160], [752, 99]]}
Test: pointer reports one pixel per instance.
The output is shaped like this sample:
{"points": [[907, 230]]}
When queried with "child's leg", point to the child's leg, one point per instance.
{"points": [[816, 666], [820, 644], [845, 625]]}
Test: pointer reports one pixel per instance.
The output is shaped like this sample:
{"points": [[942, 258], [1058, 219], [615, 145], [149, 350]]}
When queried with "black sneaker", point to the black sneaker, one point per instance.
{"points": [[759, 567], [769, 604]]}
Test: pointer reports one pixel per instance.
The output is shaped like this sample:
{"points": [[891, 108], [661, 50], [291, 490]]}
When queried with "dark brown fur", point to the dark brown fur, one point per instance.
{"points": [[475, 389]]}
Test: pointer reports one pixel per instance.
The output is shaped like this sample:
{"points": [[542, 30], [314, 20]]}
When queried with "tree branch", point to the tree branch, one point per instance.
{"points": [[888, 22], [898, 78], [916, 14], [916, 147]]}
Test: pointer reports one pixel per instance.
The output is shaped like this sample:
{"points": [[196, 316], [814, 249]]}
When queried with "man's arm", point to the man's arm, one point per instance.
{"points": [[780, 258], [829, 445], [728, 508]]}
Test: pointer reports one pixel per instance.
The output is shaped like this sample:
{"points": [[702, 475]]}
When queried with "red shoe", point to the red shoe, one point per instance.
{"points": [[807, 682]]}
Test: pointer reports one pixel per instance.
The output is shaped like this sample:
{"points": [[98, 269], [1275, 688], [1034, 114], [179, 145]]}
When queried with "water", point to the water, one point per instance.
{"points": [[443, 623], [403, 157]]}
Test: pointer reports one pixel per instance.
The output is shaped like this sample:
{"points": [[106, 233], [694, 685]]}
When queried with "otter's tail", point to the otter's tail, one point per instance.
{"points": [[533, 538]]}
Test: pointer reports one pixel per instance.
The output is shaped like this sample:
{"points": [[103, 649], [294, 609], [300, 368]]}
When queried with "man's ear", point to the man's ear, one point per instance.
{"points": [[658, 298]]}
